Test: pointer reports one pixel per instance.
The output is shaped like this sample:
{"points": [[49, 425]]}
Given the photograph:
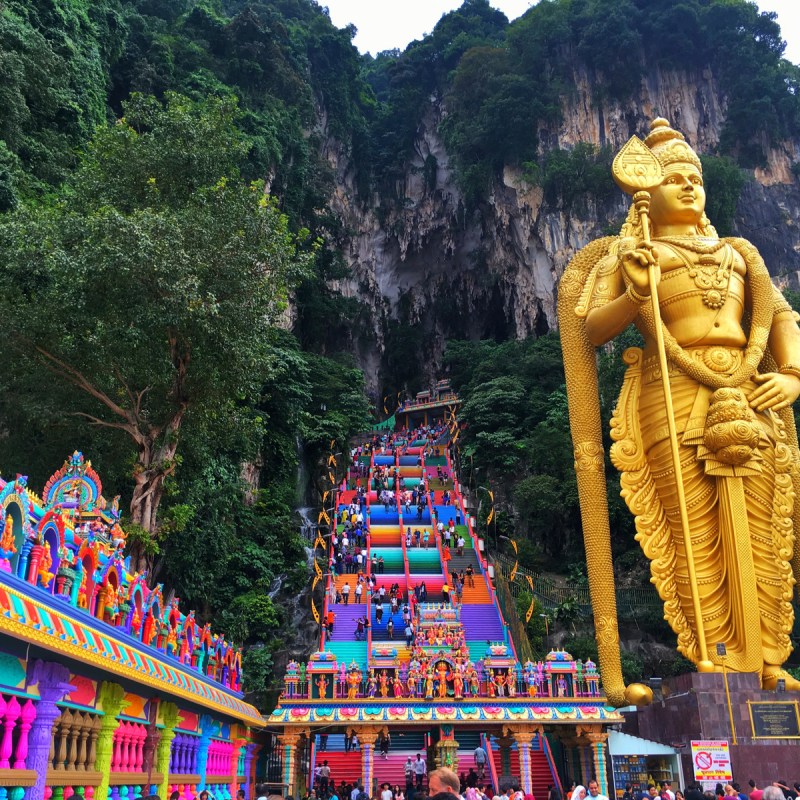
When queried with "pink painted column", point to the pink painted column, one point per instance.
{"points": [[26, 719], [137, 759], [116, 755], [125, 750], [10, 717]]}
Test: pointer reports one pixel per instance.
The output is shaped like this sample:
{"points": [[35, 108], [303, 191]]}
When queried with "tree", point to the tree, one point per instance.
{"points": [[149, 288]]}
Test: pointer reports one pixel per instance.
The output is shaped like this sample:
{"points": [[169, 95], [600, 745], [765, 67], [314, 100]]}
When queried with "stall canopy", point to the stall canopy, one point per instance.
{"points": [[623, 744]]}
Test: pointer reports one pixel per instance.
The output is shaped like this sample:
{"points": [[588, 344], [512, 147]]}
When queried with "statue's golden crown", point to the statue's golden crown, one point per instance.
{"points": [[670, 146]]}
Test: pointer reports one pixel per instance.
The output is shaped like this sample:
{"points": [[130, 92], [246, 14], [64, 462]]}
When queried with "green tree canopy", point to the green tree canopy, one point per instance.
{"points": [[149, 288]]}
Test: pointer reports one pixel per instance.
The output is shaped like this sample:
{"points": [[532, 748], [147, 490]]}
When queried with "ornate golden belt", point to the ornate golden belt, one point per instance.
{"points": [[724, 360]]}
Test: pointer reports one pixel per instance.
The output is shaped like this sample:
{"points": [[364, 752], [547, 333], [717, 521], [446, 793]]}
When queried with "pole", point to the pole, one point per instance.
{"points": [[728, 697], [642, 201]]}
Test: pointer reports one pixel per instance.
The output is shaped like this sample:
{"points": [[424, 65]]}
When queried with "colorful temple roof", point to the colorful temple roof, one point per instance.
{"points": [[66, 586]]}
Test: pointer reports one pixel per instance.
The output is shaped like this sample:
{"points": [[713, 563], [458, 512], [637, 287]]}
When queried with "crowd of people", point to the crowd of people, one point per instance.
{"points": [[777, 790], [440, 784]]}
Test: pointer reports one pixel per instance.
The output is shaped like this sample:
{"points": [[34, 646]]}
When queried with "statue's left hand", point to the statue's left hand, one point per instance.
{"points": [[776, 391]]}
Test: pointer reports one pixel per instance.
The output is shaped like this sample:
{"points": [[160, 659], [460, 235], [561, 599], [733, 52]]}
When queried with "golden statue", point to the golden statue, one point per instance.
{"points": [[703, 431]]}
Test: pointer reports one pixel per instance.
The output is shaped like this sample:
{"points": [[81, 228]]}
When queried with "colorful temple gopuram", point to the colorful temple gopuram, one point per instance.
{"points": [[106, 690], [455, 683]]}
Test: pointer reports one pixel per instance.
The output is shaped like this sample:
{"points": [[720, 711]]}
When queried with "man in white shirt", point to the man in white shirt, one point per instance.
{"points": [[420, 770], [346, 593], [594, 791]]}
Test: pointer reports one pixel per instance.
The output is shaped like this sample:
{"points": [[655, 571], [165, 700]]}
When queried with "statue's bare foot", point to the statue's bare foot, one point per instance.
{"points": [[771, 675]]}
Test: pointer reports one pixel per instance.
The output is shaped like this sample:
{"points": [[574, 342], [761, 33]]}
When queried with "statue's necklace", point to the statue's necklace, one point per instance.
{"points": [[711, 277], [697, 244]]}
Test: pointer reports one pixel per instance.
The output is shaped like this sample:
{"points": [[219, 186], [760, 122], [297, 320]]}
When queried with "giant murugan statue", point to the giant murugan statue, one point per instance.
{"points": [[703, 432]]}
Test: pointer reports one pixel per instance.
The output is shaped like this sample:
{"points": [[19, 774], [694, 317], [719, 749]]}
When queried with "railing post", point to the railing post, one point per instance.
{"points": [[112, 701]]}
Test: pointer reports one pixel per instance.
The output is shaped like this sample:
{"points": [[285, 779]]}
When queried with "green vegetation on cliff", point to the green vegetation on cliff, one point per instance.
{"points": [[131, 135]]}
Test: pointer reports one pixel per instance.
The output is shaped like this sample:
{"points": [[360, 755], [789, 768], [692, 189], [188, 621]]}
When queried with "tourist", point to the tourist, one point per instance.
{"points": [[446, 593], [579, 792], [666, 789], [323, 742], [460, 545], [361, 625], [755, 792], [773, 793], [409, 632], [426, 538], [390, 628], [324, 776], [398, 793], [356, 789], [346, 593], [386, 792], [420, 770], [408, 770], [594, 791], [354, 745], [381, 570], [359, 590], [443, 784], [386, 740], [479, 757], [379, 612], [628, 793], [469, 575], [423, 592], [329, 618]]}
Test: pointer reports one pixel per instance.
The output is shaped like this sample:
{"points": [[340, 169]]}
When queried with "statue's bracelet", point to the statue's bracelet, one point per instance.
{"points": [[637, 298], [789, 369]]}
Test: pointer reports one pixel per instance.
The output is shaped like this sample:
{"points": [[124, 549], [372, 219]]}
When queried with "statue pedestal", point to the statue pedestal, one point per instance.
{"points": [[695, 707]]}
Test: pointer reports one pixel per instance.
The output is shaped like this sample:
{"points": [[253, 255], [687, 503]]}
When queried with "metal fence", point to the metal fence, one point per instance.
{"points": [[631, 602]]}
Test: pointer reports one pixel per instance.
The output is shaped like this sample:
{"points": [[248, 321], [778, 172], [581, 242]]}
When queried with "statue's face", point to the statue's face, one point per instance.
{"points": [[680, 198]]}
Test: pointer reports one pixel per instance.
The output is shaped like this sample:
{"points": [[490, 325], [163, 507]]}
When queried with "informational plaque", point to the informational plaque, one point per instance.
{"points": [[775, 720]]}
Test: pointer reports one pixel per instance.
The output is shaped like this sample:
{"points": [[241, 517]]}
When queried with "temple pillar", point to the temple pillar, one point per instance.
{"points": [[524, 735], [596, 752], [288, 741], [505, 743], [112, 702], [367, 738], [236, 753], [169, 719], [53, 683], [206, 729]]}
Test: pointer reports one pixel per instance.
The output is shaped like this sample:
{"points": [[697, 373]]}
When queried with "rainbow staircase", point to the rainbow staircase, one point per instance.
{"points": [[409, 567]]}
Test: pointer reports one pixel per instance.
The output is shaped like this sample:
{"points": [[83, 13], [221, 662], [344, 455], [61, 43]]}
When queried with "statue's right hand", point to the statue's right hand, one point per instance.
{"points": [[636, 264]]}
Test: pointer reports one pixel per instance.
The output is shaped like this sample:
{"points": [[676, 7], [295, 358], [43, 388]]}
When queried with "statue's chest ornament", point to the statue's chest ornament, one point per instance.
{"points": [[711, 272]]}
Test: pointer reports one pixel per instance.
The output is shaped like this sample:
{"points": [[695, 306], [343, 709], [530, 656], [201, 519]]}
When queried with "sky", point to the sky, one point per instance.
{"points": [[386, 24]]}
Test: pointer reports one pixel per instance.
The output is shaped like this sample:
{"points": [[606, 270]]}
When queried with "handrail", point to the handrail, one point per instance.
{"points": [[548, 753], [487, 746], [482, 563], [550, 595]]}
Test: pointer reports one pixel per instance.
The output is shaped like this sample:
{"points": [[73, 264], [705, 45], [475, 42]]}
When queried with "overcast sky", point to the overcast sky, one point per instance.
{"points": [[386, 24]]}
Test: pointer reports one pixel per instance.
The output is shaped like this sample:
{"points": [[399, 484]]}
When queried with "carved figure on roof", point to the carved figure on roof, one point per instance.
{"points": [[45, 575], [7, 546]]}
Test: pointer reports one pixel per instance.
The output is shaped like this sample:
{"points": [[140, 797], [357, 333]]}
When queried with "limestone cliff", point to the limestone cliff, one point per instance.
{"points": [[493, 271]]}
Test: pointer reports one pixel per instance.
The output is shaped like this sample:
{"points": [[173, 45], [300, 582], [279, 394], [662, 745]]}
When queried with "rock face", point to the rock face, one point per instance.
{"points": [[493, 271]]}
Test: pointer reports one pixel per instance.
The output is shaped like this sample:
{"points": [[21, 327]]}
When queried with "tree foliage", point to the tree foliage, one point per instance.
{"points": [[173, 270]]}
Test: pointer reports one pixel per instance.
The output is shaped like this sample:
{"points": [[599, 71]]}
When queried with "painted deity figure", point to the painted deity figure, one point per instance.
{"points": [[353, 681], [721, 544], [429, 684], [372, 685], [397, 685], [322, 685], [7, 545], [458, 685], [383, 680], [561, 686], [45, 575]]}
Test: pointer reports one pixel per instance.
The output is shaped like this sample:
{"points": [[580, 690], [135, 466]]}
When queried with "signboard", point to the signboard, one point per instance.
{"points": [[775, 720], [712, 760]]}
